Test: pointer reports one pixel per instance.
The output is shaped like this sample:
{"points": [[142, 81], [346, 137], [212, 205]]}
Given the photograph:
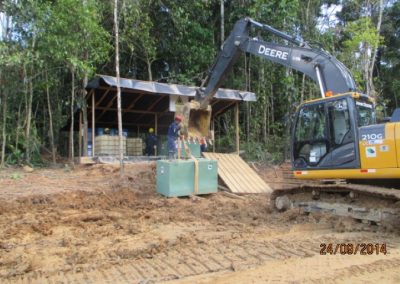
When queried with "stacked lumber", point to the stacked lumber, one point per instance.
{"points": [[108, 145], [134, 146]]}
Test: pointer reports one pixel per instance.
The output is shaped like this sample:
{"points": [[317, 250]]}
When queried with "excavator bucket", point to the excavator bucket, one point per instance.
{"points": [[196, 120]]}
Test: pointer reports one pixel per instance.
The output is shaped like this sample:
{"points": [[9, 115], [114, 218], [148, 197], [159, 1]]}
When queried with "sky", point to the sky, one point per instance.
{"points": [[2, 24], [328, 18]]}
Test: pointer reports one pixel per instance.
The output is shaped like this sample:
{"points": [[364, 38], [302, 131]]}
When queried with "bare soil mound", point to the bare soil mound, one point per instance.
{"points": [[88, 225]]}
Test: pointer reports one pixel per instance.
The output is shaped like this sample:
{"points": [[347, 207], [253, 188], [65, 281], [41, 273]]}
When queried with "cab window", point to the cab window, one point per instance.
{"points": [[311, 124], [366, 113], [339, 117], [311, 141]]}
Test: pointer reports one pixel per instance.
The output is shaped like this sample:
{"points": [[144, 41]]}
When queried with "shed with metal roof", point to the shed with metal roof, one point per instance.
{"points": [[144, 104]]}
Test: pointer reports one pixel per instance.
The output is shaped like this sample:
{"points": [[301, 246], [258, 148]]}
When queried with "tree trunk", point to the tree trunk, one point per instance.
{"points": [[264, 130], [264, 109], [251, 116], [18, 127], [116, 30], [71, 130], [370, 82], [148, 62], [28, 120], [222, 23], [267, 108], [29, 107], [4, 138], [84, 114], [247, 103], [53, 148], [26, 90], [365, 66], [303, 88], [272, 108]]}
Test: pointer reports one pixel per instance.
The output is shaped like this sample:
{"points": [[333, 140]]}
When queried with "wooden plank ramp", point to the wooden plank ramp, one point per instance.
{"points": [[237, 174]]}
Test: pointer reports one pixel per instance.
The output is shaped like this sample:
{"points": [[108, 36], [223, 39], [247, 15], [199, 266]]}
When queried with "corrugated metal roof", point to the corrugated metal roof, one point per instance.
{"points": [[167, 89]]}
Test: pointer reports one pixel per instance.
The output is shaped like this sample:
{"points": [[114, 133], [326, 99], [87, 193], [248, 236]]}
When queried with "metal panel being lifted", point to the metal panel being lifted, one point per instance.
{"points": [[237, 174]]}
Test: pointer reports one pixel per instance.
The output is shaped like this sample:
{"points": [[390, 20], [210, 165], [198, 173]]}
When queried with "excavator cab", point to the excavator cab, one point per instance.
{"points": [[325, 134]]}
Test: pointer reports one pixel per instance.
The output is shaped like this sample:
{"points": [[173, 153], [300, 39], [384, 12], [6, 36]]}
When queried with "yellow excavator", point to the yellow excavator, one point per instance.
{"points": [[335, 137]]}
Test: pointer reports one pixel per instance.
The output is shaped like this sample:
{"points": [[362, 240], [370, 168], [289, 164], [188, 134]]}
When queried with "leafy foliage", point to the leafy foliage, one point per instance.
{"points": [[362, 39], [176, 41]]}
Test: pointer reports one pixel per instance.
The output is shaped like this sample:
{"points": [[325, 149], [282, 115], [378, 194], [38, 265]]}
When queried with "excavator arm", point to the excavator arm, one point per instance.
{"points": [[329, 73], [324, 69]]}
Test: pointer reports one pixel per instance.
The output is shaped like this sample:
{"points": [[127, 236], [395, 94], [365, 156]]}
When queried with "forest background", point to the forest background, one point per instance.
{"points": [[49, 49]]}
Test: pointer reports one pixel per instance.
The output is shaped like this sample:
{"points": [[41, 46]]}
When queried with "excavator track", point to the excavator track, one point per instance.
{"points": [[366, 203]]}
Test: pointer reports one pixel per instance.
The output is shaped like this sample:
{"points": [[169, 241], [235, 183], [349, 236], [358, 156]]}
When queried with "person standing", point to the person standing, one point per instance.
{"points": [[203, 145], [173, 134], [151, 143]]}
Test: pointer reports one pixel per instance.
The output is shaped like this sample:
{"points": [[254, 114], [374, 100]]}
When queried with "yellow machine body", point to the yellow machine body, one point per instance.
{"points": [[379, 158]]}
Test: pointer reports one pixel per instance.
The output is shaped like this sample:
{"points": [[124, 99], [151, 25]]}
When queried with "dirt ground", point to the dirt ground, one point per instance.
{"points": [[85, 225]]}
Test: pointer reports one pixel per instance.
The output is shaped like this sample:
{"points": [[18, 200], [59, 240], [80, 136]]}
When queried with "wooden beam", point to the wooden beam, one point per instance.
{"points": [[131, 105], [125, 110], [223, 109], [125, 90], [165, 112], [105, 109], [103, 96], [156, 102], [237, 128], [213, 103], [133, 124], [134, 101], [152, 106]]}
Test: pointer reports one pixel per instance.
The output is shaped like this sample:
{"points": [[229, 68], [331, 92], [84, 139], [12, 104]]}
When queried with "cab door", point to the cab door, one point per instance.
{"points": [[324, 135], [310, 137], [342, 135]]}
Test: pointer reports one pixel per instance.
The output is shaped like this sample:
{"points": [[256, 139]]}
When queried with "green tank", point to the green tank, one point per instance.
{"points": [[194, 149], [176, 178]]}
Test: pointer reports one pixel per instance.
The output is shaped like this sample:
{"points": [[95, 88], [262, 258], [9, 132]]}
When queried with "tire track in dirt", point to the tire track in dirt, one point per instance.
{"points": [[203, 259], [356, 271]]}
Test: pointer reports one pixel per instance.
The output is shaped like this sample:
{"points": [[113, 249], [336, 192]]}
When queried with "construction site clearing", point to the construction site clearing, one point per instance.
{"points": [[88, 225]]}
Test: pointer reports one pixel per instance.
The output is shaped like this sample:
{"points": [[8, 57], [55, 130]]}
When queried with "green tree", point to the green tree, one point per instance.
{"points": [[361, 21], [389, 61], [361, 47], [73, 35]]}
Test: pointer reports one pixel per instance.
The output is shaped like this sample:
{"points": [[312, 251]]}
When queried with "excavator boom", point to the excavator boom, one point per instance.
{"points": [[330, 74]]}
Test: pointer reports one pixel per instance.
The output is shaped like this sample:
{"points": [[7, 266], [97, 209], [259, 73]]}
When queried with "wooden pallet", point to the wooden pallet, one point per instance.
{"points": [[85, 160], [237, 174]]}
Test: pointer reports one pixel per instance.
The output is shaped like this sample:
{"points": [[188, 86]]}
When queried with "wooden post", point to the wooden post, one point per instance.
{"points": [[155, 124], [213, 134], [237, 127], [93, 123], [86, 124], [156, 133]]}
